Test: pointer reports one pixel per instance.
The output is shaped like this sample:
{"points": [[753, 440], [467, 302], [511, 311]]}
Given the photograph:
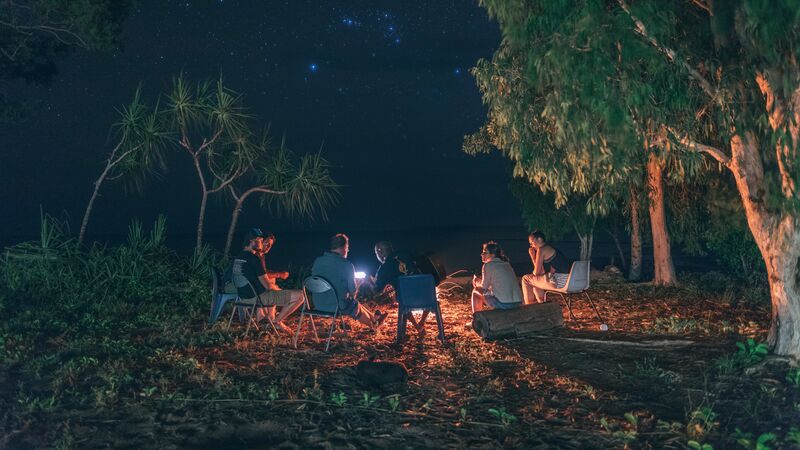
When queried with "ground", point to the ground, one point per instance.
{"points": [[666, 373]]}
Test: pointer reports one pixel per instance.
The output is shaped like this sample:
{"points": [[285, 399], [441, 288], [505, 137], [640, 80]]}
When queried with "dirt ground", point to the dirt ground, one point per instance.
{"points": [[651, 381]]}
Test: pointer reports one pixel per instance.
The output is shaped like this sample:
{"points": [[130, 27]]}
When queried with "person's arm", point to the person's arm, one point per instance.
{"points": [[538, 262], [488, 277], [532, 253], [382, 278]]}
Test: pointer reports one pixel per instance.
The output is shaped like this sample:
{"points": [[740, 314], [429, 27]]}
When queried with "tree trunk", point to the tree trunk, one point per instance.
{"points": [[88, 212], [203, 200], [234, 220], [778, 238], [664, 271], [615, 238], [586, 245], [635, 272], [200, 220]]}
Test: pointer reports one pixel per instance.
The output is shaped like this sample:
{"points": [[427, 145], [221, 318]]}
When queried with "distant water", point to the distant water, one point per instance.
{"points": [[455, 248]]}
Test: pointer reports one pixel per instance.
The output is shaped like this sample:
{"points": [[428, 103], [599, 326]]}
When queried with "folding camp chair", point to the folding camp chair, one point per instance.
{"points": [[321, 300], [416, 293], [218, 295], [246, 308], [577, 282]]}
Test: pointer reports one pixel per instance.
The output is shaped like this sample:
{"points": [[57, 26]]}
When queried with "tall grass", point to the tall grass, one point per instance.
{"points": [[82, 327]]}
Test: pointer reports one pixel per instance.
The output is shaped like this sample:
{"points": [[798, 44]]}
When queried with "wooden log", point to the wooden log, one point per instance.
{"points": [[497, 323]]}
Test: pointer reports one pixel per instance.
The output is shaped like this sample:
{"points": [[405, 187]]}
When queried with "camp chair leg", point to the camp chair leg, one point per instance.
{"points": [[299, 326], [402, 319], [252, 321], [230, 319], [440, 323], [330, 332], [314, 328], [568, 301], [599, 317]]}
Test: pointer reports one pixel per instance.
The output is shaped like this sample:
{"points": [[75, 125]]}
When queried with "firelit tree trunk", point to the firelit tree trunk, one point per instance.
{"points": [[776, 232], [664, 271], [635, 272], [778, 238]]}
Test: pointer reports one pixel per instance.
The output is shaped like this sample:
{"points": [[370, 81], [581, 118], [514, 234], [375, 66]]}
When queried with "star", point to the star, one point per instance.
{"points": [[313, 67]]}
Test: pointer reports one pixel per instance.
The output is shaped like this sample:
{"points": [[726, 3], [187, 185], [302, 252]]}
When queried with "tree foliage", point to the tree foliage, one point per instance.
{"points": [[34, 33]]}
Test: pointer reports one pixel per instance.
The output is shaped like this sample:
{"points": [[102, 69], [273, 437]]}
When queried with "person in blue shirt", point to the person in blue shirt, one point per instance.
{"points": [[334, 267]]}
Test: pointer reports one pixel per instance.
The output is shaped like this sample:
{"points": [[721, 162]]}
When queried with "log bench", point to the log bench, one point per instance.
{"points": [[498, 323]]}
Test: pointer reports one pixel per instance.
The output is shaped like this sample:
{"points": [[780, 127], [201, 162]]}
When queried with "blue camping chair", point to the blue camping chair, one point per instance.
{"points": [[417, 293], [321, 300], [218, 296]]}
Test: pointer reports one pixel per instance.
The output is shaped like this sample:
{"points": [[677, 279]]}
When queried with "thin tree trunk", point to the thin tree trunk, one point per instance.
{"points": [[586, 245], [113, 160], [617, 244], [237, 209], [88, 212], [635, 272], [203, 201], [664, 271], [234, 220]]}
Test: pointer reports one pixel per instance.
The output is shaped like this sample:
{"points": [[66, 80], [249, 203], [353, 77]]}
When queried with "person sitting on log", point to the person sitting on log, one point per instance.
{"points": [[497, 288], [550, 269]]}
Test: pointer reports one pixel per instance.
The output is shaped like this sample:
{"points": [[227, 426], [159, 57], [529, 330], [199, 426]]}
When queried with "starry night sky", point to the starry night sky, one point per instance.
{"points": [[385, 85]]}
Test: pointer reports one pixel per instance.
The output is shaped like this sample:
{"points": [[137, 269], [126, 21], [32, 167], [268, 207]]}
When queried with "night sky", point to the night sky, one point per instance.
{"points": [[384, 85]]}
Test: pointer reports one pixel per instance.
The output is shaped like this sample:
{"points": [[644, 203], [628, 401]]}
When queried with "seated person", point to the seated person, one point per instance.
{"points": [[334, 267], [392, 266], [272, 277], [263, 282], [497, 288], [550, 269]]}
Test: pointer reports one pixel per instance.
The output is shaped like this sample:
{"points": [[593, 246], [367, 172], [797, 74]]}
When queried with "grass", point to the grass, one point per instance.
{"points": [[95, 342]]}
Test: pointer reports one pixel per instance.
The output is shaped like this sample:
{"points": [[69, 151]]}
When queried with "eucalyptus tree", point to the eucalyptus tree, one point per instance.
{"points": [[720, 79], [302, 189], [139, 149]]}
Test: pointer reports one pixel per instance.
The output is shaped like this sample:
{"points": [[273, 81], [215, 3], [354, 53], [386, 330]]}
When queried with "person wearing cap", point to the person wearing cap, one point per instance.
{"points": [[254, 246], [337, 270]]}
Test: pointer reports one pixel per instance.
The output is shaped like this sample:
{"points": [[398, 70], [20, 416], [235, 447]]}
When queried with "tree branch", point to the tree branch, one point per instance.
{"points": [[668, 52], [689, 143]]}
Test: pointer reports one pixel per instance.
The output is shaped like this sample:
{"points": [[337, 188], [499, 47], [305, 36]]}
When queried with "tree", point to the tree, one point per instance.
{"points": [[34, 33], [139, 149], [208, 122], [720, 79], [303, 189], [540, 213]]}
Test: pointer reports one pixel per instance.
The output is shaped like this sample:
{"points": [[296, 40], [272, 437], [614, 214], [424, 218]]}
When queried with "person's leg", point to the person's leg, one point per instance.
{"points": [[478, 303], [294, 303], [364, 316], [538, 284], [528, 291]]}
